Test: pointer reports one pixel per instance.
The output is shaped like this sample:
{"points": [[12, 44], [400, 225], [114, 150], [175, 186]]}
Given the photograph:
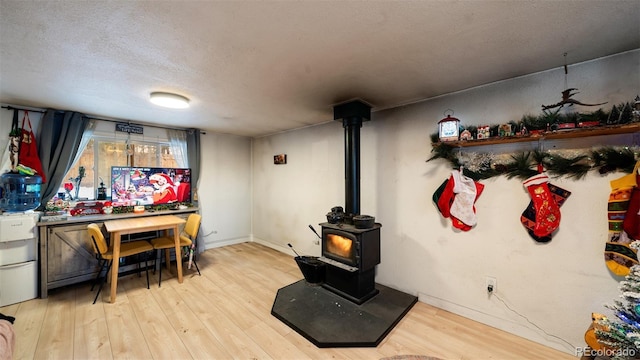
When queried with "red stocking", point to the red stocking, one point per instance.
{"points": [[547, 210], [446, 198]]}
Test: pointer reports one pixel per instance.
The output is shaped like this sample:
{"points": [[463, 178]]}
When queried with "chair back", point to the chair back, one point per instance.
{"points": [[192, 226], [97, 239]]}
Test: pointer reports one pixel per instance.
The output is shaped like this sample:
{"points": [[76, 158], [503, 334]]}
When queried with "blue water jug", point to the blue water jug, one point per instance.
{"points": [[19, 192]]}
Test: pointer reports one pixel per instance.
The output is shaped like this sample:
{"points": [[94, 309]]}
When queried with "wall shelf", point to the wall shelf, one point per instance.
{"points": [[551, 135]]}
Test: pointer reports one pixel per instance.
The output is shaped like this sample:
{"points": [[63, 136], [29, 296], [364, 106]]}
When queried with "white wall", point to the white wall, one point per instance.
{"points": [[224, 189], [555, 285]]}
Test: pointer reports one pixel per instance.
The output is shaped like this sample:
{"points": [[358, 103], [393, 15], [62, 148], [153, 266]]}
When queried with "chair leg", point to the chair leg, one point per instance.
{"points": [[146, 268], [196, 264], [101, 265], [167, 257], [160, 268], [138, 265], [194, 260], [102, 282], [155, 261]]}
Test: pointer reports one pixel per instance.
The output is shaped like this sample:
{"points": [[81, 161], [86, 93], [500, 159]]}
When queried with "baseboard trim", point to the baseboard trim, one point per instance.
{"points": [[507, 325], [277, 247], [217, 244]]}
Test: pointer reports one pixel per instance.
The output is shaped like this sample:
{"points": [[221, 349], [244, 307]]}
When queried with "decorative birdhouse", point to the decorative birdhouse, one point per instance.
{"points": [[483, 132], [466, 135], [449, 128]]}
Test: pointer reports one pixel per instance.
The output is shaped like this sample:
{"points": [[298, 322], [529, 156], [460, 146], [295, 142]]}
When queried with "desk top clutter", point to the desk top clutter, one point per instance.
{"points": [[59, 208]]}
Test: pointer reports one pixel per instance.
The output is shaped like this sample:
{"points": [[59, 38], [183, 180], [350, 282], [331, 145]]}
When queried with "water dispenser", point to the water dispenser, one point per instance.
{"points": [[19, 192]]}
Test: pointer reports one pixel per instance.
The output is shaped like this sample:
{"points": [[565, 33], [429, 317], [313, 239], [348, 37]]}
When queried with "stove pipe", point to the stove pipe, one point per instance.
{"points": [[352, 114]]}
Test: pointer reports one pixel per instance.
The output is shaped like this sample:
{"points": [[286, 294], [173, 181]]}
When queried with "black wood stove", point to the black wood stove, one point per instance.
{"points": [[351, 252], [351, 255], [348, 309]]}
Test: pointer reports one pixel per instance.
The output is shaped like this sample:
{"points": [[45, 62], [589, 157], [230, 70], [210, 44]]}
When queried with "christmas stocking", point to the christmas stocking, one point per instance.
{"points": [[631, 222], [444, 197], [547, 210], [461, 225], [618, 256], [528, 217], [465, 190]]}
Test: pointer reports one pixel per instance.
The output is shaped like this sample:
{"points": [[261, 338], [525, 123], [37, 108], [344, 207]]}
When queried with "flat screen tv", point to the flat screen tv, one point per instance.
{"points": [[149, 186]]}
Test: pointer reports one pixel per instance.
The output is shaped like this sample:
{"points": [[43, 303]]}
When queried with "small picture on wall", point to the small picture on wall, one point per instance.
{"points": [[280, 159]]}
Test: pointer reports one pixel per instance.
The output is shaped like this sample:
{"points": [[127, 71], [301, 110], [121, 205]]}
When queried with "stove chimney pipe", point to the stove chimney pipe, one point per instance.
{"points": [[352, 114]]}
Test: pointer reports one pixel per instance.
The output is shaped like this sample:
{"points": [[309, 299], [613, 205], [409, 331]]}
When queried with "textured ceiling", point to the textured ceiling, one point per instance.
{"points": [[257, 68]]}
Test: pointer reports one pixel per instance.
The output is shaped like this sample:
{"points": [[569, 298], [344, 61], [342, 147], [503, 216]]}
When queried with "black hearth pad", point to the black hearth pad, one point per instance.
{"points": [[329, 320]]}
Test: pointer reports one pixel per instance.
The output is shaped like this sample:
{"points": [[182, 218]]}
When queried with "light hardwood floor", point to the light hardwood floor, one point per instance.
{"points": [[226, 314]]}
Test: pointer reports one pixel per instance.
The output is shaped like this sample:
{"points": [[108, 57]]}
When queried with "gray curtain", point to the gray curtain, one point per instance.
{"points": [[60, 136], [193, 157]]}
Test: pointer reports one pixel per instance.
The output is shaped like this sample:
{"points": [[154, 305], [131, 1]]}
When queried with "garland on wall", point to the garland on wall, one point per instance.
{"points": [[557, 163], [549, 120]]}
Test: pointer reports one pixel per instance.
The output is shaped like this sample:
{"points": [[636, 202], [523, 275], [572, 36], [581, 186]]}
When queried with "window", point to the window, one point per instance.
{"points": [[105, 150]]}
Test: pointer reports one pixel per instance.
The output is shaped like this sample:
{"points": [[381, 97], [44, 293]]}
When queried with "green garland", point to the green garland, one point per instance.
{"points": [[524, 165], [619, 114]]}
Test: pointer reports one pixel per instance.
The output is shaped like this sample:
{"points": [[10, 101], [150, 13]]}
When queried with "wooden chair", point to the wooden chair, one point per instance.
{"points": [[104, 253], [187, 240]]}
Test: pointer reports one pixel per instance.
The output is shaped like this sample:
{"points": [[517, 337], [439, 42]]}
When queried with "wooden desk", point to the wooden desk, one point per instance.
{"points": [[117, 228]]}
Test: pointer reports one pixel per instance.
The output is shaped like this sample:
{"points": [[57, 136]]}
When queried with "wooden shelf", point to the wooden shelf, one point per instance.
{"points": [[550, 135]]}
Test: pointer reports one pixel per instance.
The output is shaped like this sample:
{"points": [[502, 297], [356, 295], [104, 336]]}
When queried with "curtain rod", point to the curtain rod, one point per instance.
{"points": [[143, 124], [16, 108], [9, 107]]}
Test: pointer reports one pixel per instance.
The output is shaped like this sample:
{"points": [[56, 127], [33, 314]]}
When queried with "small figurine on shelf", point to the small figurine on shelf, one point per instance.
{"points": [[466, 135], [524, 131], [107, 207], [504, 130], [483, 132]]}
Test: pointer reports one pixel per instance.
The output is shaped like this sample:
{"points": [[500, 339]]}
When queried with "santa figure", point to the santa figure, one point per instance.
{"points": [[164, 192]]}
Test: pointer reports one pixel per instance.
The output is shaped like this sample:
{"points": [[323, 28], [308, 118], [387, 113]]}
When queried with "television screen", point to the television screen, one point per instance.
{"points": [[149, 186]]}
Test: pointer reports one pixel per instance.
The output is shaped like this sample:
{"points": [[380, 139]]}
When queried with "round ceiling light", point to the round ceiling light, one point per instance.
{"points": [[169, 100]]}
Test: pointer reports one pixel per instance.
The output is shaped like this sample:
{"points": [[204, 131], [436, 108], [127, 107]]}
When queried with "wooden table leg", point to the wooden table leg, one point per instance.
{"points": [[176, 236], [115, 237]]}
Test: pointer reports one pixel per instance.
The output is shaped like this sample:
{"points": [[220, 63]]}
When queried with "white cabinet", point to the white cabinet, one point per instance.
{"points": [[18, 257]]}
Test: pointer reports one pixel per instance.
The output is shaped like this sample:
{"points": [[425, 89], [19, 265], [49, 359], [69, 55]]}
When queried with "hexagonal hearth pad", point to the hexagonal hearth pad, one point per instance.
{"points": [[329, 320]]}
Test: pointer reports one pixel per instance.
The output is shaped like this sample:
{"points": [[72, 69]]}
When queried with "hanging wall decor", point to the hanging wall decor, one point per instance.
{"points": [[280, 159], [129, 128], [449, 127], [455, 199]]}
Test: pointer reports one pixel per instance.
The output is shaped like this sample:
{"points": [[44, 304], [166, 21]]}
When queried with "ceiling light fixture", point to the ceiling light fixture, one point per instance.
{"points": [[169, 100]]}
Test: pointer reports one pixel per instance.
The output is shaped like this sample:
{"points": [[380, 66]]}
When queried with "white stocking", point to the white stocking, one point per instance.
{"points": [[465, 195]]}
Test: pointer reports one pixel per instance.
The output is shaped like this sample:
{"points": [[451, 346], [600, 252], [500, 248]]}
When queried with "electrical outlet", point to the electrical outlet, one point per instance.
{"points": [[491, 284]]}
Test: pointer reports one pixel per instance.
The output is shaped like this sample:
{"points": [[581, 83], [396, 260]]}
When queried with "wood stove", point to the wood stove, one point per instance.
{"points": [[349, 308], [351, 253]]}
